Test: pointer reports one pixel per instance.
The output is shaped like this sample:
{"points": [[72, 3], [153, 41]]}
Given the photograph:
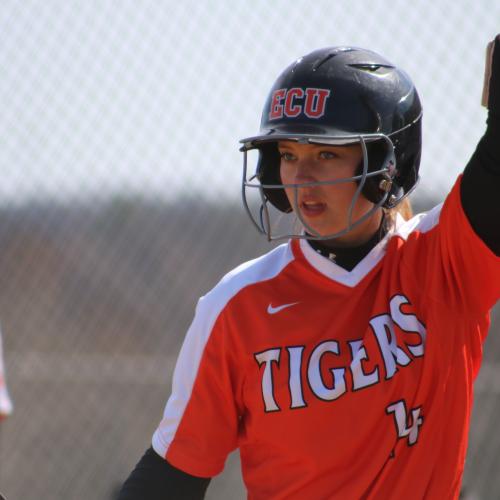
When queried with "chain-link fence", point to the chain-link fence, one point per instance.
{"points": [[119, 202]]}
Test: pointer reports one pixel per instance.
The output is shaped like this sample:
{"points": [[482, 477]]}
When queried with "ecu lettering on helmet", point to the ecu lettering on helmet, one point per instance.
{"points": [[296, 101]]}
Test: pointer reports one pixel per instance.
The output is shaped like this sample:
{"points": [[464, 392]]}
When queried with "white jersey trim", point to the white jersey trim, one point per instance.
{"points": [[422, 222], [207, 311], [337, 273]]}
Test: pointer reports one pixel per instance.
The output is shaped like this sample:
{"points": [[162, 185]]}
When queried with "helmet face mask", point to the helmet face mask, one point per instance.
{"points": [[273, 193], [338, 96]]}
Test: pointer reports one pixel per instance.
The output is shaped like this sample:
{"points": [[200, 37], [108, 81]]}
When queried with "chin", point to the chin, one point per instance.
{"points": [[326, 228], [326, 232]]}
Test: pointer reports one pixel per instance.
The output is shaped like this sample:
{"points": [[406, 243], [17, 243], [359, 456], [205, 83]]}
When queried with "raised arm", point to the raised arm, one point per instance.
{"points": [[480, 188]]}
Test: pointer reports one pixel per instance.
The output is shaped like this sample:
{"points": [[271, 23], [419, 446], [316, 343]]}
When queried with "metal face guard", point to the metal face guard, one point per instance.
{"points": [[263, 222]]}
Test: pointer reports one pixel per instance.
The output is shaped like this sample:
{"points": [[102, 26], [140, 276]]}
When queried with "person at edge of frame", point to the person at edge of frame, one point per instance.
{"points": [[6, 406], [340, 363], [5, 400]]}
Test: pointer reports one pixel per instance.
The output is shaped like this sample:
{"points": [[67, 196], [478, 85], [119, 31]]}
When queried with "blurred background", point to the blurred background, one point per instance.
{"points": [[119, 202]]}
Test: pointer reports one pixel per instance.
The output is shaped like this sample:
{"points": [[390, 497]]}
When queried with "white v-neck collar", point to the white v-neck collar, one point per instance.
{"points": [[337, 273]]}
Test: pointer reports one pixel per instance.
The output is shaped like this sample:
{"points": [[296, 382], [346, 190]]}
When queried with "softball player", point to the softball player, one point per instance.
{"points": [[341, 363]]}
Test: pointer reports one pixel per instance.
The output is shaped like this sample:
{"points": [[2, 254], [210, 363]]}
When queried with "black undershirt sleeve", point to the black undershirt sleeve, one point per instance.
{"points": [[480, 188], [155, 479]]}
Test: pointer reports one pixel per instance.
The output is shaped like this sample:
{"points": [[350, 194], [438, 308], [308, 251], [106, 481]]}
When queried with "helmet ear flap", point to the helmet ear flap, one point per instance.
{"points": [[375, 187], [268, 173], [408, 149]]}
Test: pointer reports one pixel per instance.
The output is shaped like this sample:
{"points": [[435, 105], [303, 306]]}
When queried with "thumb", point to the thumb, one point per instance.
{"points": [[491, 87]]}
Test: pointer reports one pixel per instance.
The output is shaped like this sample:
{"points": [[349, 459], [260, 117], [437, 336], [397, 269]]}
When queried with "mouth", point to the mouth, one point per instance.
{"points": [[311, 208]]}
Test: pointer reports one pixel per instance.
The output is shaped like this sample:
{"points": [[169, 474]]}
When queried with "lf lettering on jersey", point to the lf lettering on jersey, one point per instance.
{"points": [[392, 355]]}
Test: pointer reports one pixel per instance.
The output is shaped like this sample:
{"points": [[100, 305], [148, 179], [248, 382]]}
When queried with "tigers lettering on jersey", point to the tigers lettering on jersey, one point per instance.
{"points": [[296, 101], [392, 355]]}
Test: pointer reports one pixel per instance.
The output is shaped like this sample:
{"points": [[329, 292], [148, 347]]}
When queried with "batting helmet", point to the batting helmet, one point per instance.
{"points": [[340, 96]]}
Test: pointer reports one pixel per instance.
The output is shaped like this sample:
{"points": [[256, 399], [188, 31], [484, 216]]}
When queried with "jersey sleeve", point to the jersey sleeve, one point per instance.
{"points": [[200, 422], [453, 265], [5, 401]]}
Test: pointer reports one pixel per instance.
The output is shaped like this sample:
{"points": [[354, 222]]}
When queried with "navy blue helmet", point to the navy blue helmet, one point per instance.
{"points": [[340, 96]]}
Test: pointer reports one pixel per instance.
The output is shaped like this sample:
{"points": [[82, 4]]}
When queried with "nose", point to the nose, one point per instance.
{"points": [[304, 172]]}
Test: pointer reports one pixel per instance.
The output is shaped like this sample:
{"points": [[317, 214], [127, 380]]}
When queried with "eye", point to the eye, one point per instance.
{"points": [[286, 156], [328, 155]]}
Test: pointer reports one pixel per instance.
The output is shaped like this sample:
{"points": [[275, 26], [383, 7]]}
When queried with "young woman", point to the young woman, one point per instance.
{"points": [[341, 363]]}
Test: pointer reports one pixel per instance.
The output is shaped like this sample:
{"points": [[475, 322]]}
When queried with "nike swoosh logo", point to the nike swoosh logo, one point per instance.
{"points": [[274, 310]]}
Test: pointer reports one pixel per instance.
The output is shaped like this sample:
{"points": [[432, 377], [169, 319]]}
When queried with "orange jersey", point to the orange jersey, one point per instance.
{"points": [[337, 384]]}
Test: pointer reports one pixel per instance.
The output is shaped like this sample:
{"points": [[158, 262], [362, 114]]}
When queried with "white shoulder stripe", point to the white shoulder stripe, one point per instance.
{"points": [[423, 222], [207, 311]]}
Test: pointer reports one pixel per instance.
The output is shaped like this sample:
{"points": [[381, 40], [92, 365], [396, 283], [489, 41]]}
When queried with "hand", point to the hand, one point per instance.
{"points": [[491, 88]]}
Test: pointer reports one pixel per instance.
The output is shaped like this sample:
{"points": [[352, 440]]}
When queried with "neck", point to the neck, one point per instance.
{"points": [[348, 256], [360, 234]]}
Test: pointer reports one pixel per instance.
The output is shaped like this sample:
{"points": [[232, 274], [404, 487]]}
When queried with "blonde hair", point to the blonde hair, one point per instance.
{"points": [[404, 209]]}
